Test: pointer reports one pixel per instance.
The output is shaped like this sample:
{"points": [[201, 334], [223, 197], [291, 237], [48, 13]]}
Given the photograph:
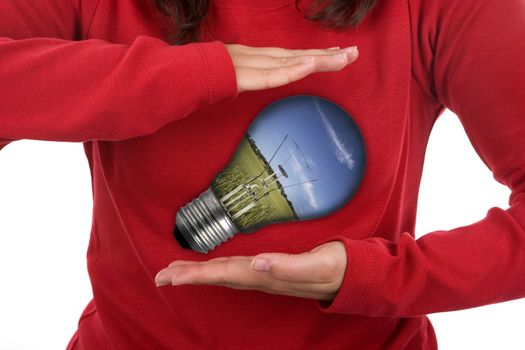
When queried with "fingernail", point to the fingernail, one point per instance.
{"points": [[163, 278], [260, 264], [160, 284], [350, 51], [341, 56]]}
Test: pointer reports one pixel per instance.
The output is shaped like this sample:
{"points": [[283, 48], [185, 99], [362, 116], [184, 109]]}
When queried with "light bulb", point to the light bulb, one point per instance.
{"points": [[302, 158]]}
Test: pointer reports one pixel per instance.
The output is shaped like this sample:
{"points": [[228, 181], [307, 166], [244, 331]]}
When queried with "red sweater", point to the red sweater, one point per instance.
{"points": [[158, 122]]}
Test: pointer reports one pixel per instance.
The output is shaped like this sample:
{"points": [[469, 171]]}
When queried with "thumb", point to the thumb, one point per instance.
{"points": [[303, 267]]}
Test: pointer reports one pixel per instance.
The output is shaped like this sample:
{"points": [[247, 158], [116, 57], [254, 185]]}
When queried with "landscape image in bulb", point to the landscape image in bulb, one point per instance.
{"points": [[302, 158]]}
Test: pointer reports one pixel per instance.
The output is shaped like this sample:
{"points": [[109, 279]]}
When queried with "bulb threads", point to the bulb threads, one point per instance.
{"points": [[204, 223]]}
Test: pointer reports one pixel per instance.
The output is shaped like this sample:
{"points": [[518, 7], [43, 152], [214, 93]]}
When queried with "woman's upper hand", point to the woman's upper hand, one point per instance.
{"points": [[316, 274], [259, 68]]}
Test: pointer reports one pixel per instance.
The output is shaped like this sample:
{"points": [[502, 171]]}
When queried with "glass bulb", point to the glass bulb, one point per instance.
{"points": [[302, 158]]}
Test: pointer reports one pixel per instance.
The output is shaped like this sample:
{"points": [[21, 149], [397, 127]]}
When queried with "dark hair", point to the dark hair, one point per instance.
{"points": [[186, 15]]}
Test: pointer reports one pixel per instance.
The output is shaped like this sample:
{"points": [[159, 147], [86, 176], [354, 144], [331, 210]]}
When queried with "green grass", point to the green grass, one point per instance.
{"points": [[248, 162]]}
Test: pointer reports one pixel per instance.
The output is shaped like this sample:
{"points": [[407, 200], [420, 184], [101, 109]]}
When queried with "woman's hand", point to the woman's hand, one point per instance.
{"points": [[317, 274], [259, 68]]}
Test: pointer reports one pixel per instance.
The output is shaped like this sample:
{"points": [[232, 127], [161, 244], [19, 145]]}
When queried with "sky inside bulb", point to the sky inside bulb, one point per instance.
{"points": [[310, 159]]}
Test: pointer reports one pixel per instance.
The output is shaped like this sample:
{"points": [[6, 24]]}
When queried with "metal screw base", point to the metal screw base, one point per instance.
{"points": [[204, 222]]}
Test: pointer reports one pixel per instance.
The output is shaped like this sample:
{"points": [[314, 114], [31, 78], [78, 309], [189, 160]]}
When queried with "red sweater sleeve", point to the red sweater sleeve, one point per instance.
{"points": [[479, 51], [57, 87]]}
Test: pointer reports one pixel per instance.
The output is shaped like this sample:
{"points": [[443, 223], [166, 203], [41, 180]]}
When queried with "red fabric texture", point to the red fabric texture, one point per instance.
{"points": [[158, 122]]}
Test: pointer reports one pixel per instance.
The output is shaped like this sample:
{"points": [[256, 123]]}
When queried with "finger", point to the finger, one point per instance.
{"points": [[225, 272], [323, 62], [223, 258], [236, 273], [194, 273], [257, 79], [265, 61], [294, 292], [279, 51], [306, 267], [222, 272]]}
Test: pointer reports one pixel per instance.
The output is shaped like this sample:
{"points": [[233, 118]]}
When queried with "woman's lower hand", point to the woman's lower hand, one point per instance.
{"points": [[317, 274], [259, 68]]}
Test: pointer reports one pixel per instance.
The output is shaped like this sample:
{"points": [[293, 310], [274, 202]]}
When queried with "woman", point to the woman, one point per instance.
{"points": [[158, 121]]}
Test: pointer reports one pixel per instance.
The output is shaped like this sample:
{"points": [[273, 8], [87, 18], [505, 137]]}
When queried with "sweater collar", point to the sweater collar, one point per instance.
{"points": [[255, 4]]}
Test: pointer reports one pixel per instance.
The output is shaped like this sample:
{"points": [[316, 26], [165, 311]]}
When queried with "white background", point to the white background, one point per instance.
{"points": [[45, 219]]}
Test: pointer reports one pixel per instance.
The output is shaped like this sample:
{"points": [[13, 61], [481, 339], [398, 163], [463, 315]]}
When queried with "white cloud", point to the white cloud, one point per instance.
{"points": [[343, 155]]}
